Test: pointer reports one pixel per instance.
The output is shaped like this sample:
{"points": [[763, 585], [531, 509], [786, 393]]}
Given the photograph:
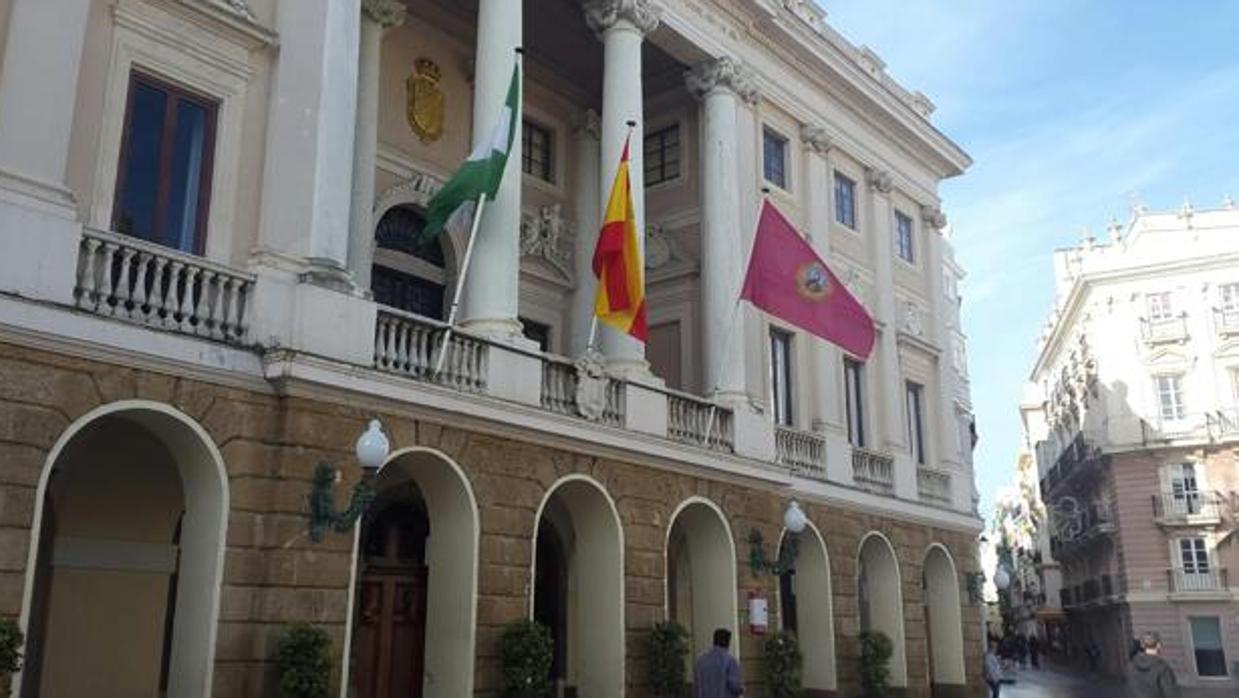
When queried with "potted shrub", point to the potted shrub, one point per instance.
{"points": [[11, 640], [875, 659], [668, 652], [525, 655], [303, 662], [782, 663]]}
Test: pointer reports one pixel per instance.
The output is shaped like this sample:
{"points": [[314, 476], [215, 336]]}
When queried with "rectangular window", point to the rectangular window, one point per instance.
{"points": [[537, 152], [163, 182], [1184, 488], [662, 155], [845, 201], [916, 421], [1207, 643], [854, 393], [903, 238], [1170, 396], [1194, 555], [781, 376], [1159, 305], [774, 158]]}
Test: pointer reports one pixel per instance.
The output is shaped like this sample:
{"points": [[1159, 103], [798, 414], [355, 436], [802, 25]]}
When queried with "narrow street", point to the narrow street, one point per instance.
{"points": [[1052, 683]]}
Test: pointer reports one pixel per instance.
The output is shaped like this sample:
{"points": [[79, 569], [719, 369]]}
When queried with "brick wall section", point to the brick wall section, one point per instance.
{"points": [[273, 575]]}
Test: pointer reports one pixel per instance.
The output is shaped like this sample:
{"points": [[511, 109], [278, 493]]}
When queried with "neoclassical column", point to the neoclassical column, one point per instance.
{"points": [[38, 90], [308, 182], [818, 193], [720, 85], [622, 26], [376, 17], [890, 398], [586, 133], [492, 287]]}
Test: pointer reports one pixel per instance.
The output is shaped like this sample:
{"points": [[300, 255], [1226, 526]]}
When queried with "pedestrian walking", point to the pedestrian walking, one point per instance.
{"points": [[1150, 676], [1034, 651], [993, 669], [1021, 650], [1093, 652], [717, 673]]}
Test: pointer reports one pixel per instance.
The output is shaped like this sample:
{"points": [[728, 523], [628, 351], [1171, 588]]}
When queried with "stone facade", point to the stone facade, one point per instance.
{"points": [[273, 573]]}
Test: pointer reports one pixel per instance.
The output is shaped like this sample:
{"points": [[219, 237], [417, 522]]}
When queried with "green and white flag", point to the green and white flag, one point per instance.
{"points": [[480, 174]]}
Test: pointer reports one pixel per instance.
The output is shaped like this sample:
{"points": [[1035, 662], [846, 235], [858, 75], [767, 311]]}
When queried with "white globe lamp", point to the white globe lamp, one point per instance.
{"points": [[794, 519], [373, 447], [1002, 579]]}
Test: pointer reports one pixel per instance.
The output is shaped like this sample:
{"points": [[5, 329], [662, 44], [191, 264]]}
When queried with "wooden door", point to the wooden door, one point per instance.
{"points": [[389, 640]]}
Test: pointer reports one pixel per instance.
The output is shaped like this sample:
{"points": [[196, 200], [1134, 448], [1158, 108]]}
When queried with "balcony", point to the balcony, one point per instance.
{"points": [[1164, 330], [1211, 582], [802, 451], [1093, 523], [699, 422], [1226, 321], [1079, 459], [563, 392], [1191, 508], [136, 281], [1098, 591], [933, 486], [873, 471], [409, 345]]}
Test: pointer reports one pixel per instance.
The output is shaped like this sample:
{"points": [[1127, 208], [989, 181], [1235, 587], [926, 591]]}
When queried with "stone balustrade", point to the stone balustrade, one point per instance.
{"points": [[131, 279], [409, 344], [933, 486], [802, 451], [561, 389], [873, 471], [689, 418]]}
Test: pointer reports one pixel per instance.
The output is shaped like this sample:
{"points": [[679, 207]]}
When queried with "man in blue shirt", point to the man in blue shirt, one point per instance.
{"points": [[717, 673]]}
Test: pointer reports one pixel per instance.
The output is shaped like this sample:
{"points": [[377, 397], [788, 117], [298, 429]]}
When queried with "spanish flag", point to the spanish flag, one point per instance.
{"points": [[620, 300]]}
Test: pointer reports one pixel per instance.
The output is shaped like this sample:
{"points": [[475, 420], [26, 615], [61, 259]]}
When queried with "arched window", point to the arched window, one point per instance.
{"points": [[406, 275]]}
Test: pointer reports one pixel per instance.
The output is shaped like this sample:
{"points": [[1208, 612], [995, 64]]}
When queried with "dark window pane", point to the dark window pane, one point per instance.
{"points": [[135, 214], [845, 201], [662, 155], [186, 181], [399, 230], [903, 238], [397, 289], [538, 332], [774, 154], [536, 152]]}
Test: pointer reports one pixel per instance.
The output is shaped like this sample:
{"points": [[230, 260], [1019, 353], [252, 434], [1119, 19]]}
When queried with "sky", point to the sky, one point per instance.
{"points": [[1073, 111]]}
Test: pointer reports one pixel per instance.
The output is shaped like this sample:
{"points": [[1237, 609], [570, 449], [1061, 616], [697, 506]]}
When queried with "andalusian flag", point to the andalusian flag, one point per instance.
{"points": [[480, 174], [620, 300]]}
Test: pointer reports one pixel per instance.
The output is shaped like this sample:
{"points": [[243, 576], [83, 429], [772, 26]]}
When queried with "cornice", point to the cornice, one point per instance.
{"points": [[602, 15], [724, 73]]}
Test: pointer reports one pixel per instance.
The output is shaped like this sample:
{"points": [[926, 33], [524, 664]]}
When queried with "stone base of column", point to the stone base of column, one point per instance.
{"points": [[328, 273], [635, 370], [505, 330], [730, 398], [41, 221]]}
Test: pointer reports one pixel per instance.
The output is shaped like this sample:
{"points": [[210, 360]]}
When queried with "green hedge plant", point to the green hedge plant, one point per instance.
{"points": [[668, 653], [525, 655], [876, 650], [303, 662], [782, 664]]}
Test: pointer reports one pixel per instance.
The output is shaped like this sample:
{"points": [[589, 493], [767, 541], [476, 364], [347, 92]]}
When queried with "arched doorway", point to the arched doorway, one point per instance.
{"points": [[701, 574], [578, 589], [123, 582], [407, 275], [806, 608], [881, 599], [943, 620], [414, 607]]}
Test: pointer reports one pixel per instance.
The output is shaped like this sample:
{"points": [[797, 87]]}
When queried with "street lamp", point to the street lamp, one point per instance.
{"points": [[795, 521], [372, 449], [1002, 578]]}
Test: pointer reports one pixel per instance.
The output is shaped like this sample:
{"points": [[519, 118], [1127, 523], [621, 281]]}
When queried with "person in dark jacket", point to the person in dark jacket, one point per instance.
{"points": [[1034, 651], [716, 673], [1150, 676]]}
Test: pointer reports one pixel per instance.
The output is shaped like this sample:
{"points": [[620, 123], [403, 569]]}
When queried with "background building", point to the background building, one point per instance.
{"points": [[1132, 412], [209, 288]]}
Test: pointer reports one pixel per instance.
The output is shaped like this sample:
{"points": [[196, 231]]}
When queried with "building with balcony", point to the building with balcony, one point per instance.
{"points": [[210, 286], [1131, 410]]}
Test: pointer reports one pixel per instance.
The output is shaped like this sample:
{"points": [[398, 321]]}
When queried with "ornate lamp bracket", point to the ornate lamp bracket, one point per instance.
{"points": [[757, 555], [323, 516]]}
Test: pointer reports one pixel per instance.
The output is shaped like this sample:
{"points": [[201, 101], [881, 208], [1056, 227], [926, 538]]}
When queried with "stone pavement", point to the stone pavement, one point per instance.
{"points": [[1051, 683]]}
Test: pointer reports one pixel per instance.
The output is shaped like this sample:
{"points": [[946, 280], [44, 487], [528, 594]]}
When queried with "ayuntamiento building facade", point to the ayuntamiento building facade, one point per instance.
{"points": [[1131, 411], [207, 288]]}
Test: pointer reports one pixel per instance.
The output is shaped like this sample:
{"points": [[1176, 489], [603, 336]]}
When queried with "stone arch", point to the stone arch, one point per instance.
{"points": [[451, 547], [880, 597], [700, 549], [814, 608], [417, 191], [99, 536], [583, 513], [944, 623]]}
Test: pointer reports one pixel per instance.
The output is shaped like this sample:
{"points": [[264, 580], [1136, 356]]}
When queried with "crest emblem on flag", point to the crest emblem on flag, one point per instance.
{"points": [[812, 280]]}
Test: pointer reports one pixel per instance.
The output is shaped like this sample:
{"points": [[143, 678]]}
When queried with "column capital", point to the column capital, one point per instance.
{"points": [[587, 124], [601, 15], [387, 13], [933, 217], [879, 180], [724, 73], [816, 139]]}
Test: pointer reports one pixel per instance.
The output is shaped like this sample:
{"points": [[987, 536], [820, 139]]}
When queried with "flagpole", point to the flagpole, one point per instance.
{"points": [[460, 285], [735, 312]]}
